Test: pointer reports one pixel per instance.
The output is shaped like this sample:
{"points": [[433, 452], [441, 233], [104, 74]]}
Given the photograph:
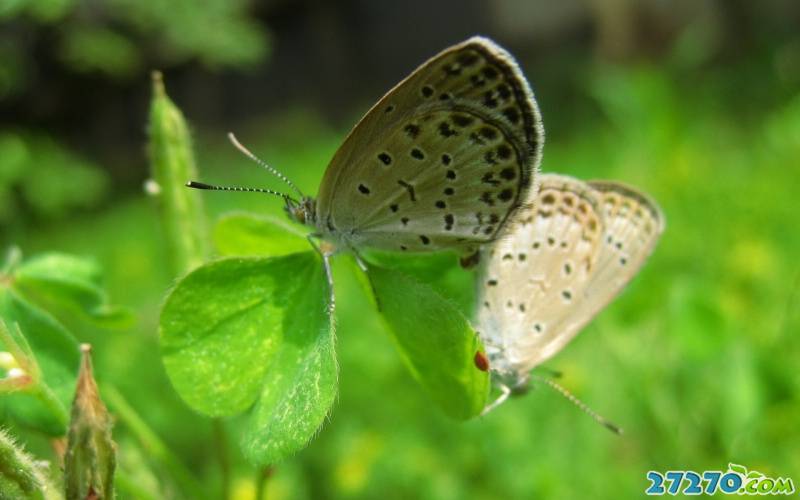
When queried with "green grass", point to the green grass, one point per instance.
{"points": [[697, 360]]}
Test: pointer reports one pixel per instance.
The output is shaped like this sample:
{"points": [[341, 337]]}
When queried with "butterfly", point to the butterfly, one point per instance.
{"points": [[442, 161], [564, 260]]}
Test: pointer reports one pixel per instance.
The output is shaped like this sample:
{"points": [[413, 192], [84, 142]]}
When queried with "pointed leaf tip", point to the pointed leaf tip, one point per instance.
{"points": [[86, 393], [158, 83], [171, 163], [90, 459]]}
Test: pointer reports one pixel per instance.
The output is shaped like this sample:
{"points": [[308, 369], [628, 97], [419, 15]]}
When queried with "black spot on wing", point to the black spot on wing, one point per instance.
{"points": [[409, 188], [411, 130], [449, 220], [445, 130], [508, 173], [385, 158], [463, 121]]}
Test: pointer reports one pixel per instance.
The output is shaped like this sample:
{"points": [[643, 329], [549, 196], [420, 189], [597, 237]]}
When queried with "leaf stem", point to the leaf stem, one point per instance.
{"points": [[261, 481], [131, 487], [12, 259], [221, 445], [48, 397], [151, 443]]}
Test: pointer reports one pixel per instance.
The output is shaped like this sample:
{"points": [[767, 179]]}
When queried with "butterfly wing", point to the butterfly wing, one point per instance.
{"points": [[583, 268], [534, 276], [441, 161], [633, 223]]}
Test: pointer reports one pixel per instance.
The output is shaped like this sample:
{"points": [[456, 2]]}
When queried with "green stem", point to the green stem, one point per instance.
{"points": [[13, 258], [153, 445], [48, 397], [261, 481], [126, 483], [20, 476], [221, 442]]}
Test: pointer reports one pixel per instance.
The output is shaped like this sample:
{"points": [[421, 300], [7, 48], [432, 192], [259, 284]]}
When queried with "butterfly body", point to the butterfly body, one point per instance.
{"points": [[563, 261]]}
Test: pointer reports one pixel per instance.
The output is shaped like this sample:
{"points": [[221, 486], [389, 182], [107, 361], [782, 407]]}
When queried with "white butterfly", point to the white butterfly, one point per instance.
{"points": [[563, 261], [442, 161]]}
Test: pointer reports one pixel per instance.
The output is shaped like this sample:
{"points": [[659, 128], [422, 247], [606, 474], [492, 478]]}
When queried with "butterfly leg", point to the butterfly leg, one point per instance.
{"points": [[470, 260], [361, 264], [365, 269], [326, 254], [505, 392], [326, 260]]}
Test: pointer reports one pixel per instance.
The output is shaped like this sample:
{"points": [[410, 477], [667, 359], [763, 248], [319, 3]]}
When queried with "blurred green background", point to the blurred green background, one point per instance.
{"points": [[696, 103]]}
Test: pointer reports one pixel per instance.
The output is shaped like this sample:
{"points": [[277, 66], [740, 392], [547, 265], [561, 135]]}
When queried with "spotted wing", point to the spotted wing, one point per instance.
{"points": [[441, 161], [579, 265], [632, 225], [534, 278]]}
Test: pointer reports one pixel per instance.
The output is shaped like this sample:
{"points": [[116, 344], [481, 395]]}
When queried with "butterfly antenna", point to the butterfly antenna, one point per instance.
{"points": [[580, 404], [551, 372], [210, 187], [238, 145]]}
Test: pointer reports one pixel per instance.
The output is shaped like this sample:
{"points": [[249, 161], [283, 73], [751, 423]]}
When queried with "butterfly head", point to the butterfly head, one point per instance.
{"points": [[303, 211], [518, 383]]}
